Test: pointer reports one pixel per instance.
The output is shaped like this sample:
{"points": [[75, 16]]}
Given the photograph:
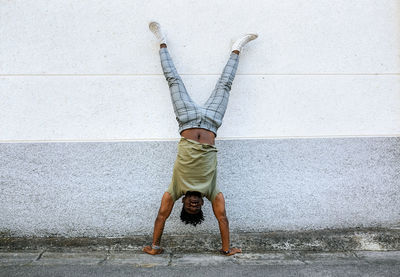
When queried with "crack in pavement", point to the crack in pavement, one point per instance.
{"points": [[40, 254], [170, 259], [108, 253]]}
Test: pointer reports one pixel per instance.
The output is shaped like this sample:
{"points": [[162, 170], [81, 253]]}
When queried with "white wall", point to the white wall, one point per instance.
{"points": [[89, 70]]}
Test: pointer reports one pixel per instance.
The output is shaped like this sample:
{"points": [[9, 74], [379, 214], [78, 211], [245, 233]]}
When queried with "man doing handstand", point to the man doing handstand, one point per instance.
{"points": [[195, 168]]}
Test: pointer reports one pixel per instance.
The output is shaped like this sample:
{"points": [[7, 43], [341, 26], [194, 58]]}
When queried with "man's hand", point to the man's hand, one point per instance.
{"points": [[149, 250], [232, 251]]}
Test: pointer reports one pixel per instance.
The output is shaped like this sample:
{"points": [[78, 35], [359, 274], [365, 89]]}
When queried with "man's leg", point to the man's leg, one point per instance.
{"points": [[217, 103], [181, 101]]}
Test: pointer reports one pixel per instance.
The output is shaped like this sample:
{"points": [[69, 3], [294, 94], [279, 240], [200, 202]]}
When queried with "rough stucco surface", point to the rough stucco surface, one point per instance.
{"points": [[114, 188]]}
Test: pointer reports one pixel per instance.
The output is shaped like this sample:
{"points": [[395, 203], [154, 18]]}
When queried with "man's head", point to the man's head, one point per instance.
{"points": [[191, 211]]}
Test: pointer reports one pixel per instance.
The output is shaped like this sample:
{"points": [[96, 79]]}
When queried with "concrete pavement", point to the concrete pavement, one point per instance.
{"points": [[75, 262], [345, 252]]}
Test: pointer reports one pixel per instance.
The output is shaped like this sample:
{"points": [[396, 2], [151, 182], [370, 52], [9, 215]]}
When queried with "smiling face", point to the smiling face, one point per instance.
{"points": [[192, 202]]}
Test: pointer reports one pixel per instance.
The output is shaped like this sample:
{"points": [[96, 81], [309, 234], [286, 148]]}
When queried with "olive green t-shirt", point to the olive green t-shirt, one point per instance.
{"points": [[195, 169]]}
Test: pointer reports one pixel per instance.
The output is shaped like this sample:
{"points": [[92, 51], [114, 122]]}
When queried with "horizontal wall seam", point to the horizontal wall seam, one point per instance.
{"points": [[176, 139], [210, 74]]}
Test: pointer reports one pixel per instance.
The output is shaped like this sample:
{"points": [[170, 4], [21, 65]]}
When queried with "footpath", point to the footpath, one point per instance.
{"points": [[350, 252]]}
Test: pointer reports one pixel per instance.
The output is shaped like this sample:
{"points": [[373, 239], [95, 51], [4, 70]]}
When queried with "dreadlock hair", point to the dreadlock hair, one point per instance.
{"points": [[193, 219]]}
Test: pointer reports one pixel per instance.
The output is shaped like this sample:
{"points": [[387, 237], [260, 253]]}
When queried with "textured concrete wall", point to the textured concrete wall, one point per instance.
{"points": [[88, 135], [99, 188]]}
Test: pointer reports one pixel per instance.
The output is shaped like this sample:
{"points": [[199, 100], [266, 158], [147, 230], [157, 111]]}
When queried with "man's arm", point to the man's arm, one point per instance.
{"points": [[167, 203], [218, 206]]}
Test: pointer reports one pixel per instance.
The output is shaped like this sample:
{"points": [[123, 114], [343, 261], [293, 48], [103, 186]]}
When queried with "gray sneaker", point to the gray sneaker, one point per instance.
{"points": [[242, 41], [155, 28]]}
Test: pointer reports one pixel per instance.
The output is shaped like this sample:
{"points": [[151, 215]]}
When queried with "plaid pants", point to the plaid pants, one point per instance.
{"points": [[188, 113]]}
